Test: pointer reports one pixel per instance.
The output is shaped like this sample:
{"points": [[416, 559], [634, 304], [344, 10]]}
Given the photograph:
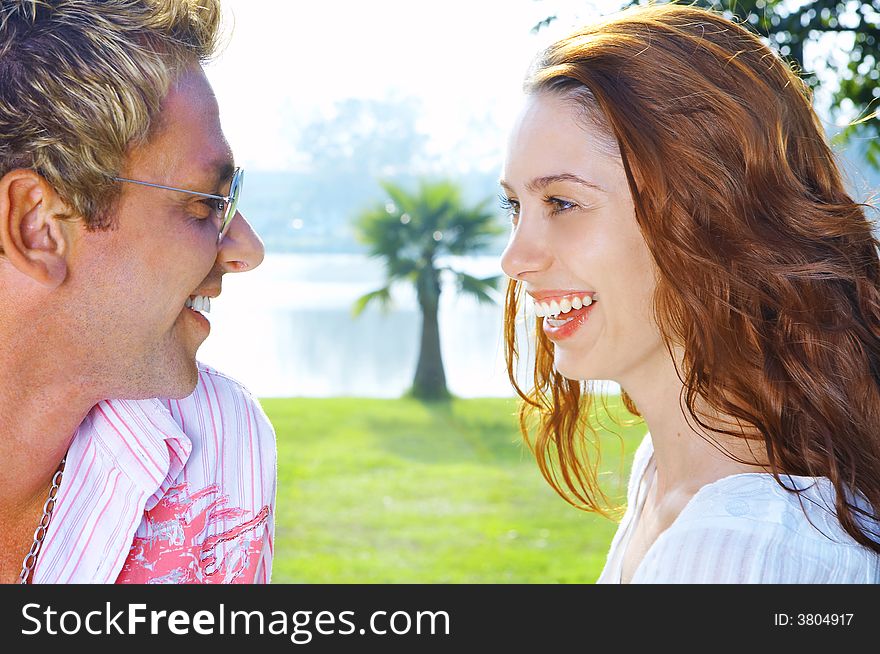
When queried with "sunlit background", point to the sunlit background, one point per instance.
{"points": [[320, 101]]}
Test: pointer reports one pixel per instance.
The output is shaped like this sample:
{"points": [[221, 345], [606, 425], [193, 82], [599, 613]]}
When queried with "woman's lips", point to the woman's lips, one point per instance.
{"points": [[555, 303], [565, 325]]}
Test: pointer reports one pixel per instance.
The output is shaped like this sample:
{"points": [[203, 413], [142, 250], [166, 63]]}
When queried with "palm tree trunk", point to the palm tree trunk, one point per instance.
{"points": [[429, 382]]}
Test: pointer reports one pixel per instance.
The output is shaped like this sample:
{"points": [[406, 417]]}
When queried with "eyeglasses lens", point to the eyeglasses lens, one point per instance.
{"points": [[232, 207]]}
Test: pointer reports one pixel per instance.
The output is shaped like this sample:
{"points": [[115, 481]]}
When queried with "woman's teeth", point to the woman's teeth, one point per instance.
{"points": [[552, 322], [566, 304], [199, 303]]}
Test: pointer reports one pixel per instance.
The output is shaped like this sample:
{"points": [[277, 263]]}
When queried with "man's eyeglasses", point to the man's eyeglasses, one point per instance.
{"points": [[226, 207]]}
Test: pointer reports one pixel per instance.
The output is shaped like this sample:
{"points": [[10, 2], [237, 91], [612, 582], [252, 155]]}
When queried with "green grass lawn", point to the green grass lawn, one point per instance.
{"points": [[397, 491]]}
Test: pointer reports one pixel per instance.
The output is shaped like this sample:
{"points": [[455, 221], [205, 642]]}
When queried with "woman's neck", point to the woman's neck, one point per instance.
{"points": [[685, 455]]}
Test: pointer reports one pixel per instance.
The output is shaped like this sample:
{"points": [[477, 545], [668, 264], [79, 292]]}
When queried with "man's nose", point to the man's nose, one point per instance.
{"points": [[241, 248], [527, 250]]}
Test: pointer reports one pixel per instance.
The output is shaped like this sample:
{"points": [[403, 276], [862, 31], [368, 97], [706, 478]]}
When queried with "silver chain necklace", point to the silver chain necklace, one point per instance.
{"points": [[40, 533]]}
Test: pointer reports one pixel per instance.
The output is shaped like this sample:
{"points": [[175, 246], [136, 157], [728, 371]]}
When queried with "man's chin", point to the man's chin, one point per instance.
{"points": [[183, 384], [178, 395], [177, 382]]}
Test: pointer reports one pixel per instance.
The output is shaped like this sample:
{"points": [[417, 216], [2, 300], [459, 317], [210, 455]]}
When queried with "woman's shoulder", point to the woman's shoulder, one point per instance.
{"points": [[798, 506], [747, 528]]}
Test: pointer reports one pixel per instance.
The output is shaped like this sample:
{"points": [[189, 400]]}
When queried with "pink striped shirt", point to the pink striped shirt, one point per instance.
{"points": [[167, 491]]}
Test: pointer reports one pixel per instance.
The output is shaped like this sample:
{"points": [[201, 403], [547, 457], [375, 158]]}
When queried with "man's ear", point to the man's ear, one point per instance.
{"points": [[32, 236]]}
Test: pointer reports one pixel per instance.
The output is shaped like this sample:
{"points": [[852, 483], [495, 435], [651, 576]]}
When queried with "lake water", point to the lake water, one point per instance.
{"points": [[285, 330]]}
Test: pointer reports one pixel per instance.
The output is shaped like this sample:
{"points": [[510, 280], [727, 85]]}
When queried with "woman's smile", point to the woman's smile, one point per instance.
{"points": [[563, 312], [566, 325]]}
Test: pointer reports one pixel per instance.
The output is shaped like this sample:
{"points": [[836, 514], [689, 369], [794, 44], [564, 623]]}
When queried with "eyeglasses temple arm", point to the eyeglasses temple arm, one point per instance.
{"points": [[172, 188]]}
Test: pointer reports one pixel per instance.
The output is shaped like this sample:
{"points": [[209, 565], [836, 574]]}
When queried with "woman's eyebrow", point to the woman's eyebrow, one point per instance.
{"points": [[540, 183]]}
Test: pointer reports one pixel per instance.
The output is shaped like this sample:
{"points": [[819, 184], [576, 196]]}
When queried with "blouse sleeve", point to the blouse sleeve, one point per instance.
{"points": [[735, 551]]}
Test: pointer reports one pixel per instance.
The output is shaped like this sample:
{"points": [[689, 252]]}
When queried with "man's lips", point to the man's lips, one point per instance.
{"points": [[207, 292]]}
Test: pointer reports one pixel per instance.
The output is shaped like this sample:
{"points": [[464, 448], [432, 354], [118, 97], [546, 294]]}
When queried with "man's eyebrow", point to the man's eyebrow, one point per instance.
{"points": [[211, 176], [223, 171], [540, 183]]}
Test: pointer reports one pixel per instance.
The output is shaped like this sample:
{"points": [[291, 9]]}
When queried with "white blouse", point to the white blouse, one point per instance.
{"points": [[744, 528]]}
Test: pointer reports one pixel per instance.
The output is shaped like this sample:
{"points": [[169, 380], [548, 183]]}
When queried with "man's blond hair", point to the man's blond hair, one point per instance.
{"points": [[82, 82]]}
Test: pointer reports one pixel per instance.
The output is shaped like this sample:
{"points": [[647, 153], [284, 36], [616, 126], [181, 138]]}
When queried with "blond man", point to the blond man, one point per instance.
{"points": [[125, 460]]}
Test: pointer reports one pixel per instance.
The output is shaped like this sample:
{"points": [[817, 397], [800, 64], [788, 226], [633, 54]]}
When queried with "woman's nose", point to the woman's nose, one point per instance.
{"points": [[527, 251], [241, 248]]}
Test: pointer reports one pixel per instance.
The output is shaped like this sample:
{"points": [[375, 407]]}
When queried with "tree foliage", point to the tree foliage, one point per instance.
{"points": [[843, 38], [415, 233]]}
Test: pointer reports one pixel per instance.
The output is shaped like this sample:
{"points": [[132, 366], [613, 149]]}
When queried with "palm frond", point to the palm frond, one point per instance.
{"points": [[381, 296], [411, 228], [479, 287]]}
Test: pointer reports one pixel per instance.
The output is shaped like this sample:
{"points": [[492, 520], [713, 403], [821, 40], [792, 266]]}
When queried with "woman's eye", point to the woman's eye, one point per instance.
{"points": [[559, 205], [510, 207]]}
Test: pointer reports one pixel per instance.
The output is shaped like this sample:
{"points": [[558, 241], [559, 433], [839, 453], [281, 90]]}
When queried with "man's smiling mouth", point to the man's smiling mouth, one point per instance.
{"points": [[200, 303]]}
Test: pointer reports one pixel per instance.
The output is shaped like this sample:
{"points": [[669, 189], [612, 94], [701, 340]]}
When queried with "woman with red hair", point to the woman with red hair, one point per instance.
{"points": [[680, 227]]}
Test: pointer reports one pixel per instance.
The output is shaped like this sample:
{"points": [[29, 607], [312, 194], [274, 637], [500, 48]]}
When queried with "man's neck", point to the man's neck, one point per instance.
{"points": [[39, 415], [38, 419]]}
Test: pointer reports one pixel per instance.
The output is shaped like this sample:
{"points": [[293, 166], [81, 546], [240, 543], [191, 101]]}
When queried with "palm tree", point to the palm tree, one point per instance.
{"points": [[411, 231]]}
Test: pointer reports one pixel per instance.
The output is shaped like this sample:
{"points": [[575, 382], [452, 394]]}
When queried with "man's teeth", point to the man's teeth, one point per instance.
{"points": [[199, 303], [566, 304]]}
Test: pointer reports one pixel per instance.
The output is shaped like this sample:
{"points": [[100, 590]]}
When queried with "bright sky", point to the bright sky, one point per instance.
{"points": [[464, 60]]}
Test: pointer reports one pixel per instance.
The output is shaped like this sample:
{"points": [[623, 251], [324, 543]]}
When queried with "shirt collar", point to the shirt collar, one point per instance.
{"points": [[124, 457]]}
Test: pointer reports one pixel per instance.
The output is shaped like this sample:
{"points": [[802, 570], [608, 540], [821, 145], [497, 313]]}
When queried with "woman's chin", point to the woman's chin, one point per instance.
{"points": [[575, 370]]}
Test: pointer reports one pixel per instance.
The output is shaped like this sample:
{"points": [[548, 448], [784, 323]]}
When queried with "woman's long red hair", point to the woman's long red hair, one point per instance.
{"points": [[768, 271]]}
